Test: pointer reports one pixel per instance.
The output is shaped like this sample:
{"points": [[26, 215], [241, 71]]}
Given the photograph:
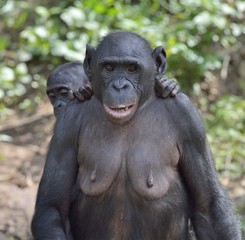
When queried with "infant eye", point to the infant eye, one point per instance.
{"points": [[64, 92], [132, 68], [109, 67], [51, 97]]}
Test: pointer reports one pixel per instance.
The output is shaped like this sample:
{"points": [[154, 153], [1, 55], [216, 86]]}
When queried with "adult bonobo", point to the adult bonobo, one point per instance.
{"points": [[68, 81], [144, 164]]}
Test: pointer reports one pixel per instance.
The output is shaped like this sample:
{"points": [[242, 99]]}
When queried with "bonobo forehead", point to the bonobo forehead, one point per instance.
{"points": [[124, 44], [70, 75]]}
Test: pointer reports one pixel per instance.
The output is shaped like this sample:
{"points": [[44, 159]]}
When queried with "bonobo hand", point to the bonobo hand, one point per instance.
{"points": [[165, 87], [84, 93]]}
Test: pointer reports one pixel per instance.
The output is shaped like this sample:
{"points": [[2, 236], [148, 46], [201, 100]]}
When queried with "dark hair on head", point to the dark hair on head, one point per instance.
{"points": [[60, 74], [117, 35]]}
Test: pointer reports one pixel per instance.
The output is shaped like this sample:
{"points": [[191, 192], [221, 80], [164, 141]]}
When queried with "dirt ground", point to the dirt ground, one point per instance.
{"points": [[21, 163]]}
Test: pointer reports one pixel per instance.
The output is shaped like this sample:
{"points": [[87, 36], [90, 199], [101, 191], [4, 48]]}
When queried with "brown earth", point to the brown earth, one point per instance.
{"points": [[21, 163]]}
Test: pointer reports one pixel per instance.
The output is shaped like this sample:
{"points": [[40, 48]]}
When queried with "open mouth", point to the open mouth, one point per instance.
{"points": [[121, 108], [120, 111]]}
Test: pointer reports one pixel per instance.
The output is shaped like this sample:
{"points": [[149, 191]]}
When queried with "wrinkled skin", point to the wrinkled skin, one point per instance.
{"points": [[68, 82], [118, 168]]}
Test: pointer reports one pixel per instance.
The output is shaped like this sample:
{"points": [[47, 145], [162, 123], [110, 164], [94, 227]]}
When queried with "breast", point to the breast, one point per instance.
{"points": [[95, 181], [100, 159], [152, 167]]}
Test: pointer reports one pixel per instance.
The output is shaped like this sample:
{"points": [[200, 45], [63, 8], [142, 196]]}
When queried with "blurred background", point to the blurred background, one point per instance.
{"points": [[204, 40]]}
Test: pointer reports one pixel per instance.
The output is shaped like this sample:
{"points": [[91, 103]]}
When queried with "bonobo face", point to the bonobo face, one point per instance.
{"points": [[59, 96], [122, 90], [122, 72], [65, 78]]}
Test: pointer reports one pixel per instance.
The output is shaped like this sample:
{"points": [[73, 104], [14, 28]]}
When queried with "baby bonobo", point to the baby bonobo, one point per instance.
{"points": [[65, 83], [127, 165], [68, 81]]}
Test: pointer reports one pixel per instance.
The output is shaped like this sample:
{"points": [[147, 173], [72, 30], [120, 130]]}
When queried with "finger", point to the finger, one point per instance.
{"points": [[89, 89], [168, 90], [168, 81], [160, 86], [175, 91], [165, 84], [79, 96], [160, 81], [70, 95], [85, 93]]}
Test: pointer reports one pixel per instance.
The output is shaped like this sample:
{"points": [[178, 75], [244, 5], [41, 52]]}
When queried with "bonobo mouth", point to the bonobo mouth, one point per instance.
{"points": [[120, 113]]}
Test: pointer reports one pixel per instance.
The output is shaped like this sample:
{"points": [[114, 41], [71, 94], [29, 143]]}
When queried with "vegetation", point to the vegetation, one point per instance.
{"points": [[226, 132]]}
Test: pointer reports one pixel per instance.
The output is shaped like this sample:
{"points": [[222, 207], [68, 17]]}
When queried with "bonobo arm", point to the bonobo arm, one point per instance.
{"points": [[53, 198], [213, 215], [166, 87]]}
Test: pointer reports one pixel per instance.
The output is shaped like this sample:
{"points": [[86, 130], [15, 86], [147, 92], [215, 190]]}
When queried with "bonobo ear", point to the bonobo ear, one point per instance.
{"points": [[87, 61], [159, 56]]}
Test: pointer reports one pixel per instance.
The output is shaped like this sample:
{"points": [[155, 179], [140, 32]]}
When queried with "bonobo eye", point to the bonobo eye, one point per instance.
{"points": [[64, 92], [132, 68], [51, 96], [109, 67]]}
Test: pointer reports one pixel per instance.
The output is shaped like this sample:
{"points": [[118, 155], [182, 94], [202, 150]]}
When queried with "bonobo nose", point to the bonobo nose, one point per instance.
{"points": [[121, 84], [57, 105]]}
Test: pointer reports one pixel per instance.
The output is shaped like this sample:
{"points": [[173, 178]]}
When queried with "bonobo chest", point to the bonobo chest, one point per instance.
{"points": [[141, 153]]}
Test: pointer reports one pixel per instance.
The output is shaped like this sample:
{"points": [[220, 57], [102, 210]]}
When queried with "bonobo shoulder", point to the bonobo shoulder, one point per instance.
{"points": [[186, 115], [184, 101]]}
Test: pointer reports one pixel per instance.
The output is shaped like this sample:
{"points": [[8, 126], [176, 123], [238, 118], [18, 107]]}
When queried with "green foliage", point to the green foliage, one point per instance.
{"points": [[39, 37], [226, 133]]}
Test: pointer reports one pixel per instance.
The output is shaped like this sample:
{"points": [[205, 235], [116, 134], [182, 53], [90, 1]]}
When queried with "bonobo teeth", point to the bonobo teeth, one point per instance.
{"points": [[120, 108], [120, 112]]}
